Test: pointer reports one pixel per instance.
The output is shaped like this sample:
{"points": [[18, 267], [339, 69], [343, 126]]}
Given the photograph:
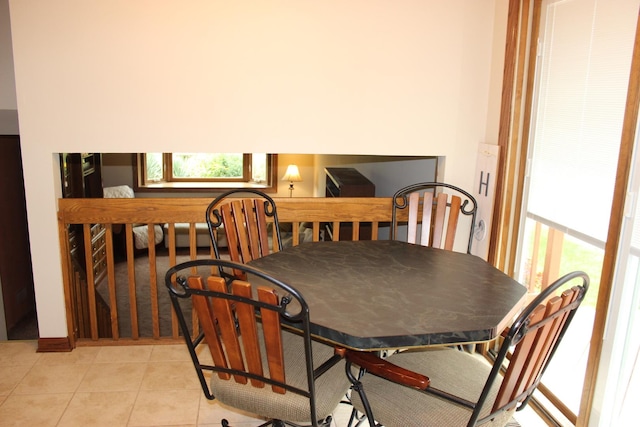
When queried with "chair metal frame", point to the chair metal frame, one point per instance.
{"points": [[548, 319], [179, 289], [468, 207], [249, 240]]}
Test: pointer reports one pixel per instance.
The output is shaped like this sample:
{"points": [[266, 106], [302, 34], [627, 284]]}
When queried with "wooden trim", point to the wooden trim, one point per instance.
{"points": [[203, 185], [498, 230], [629, 129], [513, 151], [54, 345], [520, 61], [518, 180], [533, 269], [63, 234], [178, 210], [90, 280], [553, 255], [107, 212]]}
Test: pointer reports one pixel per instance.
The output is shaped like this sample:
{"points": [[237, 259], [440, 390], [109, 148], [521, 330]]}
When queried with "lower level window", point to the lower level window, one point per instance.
{"points": [[206, 170]]}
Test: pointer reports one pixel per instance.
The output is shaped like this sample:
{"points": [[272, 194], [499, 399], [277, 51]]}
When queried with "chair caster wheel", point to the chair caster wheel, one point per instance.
{"points": [[225, 423]]}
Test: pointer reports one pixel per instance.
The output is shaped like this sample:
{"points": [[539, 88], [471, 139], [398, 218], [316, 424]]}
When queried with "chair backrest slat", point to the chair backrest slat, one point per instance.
{"points": [[248, 330], [538, 350], [207, 322], [262, 231], [434, 211], [412, 225], [427, 200], [272, 337], [438, 221], [244, 221], [227, 327], [241, 227], [230, 229], [250, 228], [242, 322], [225, 343], [517, 362], [568, 297], [452, 222], [533, 351]]}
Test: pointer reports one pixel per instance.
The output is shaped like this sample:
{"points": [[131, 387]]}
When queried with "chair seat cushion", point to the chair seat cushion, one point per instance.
{"points": [[330, 388], [456, 372]]}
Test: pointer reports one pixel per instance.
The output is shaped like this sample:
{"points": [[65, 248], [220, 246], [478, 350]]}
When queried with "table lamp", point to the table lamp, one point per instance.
{"points": [[292, 175]]}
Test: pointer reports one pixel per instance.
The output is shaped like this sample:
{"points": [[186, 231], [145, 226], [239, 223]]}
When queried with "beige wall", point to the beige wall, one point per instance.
{"points": [[410, 77]]}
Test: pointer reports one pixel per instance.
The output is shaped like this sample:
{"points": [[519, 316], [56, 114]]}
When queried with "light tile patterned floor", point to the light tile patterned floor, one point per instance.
{"points": [[145, 385], [142, 385]]}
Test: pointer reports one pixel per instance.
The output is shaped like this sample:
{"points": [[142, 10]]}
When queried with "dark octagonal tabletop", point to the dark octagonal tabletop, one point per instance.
{"points": [[372, 295]]}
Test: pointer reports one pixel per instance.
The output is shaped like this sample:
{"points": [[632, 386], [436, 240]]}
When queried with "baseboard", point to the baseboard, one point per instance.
{"points": [[52, 345]]}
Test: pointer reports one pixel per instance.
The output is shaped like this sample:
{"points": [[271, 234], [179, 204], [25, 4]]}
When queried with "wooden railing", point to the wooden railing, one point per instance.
{"points": [[85, 321]]}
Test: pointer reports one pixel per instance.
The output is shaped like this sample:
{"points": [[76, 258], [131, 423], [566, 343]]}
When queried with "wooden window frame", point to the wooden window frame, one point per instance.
{"points": [[171, 184]]}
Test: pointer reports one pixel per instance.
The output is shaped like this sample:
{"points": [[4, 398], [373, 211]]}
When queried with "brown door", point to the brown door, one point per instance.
{"points": [[15, 255]]}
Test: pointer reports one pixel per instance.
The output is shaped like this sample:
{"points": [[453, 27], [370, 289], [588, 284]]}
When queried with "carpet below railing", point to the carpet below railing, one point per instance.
{"points": [[144, 296]]}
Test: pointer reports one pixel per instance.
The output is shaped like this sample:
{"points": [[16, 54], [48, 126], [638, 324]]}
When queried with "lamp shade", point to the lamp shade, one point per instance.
{"points": [[292, 174]]}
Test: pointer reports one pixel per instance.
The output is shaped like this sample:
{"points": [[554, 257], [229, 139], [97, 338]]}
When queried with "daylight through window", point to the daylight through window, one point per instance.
{"points": [[205, 170]]}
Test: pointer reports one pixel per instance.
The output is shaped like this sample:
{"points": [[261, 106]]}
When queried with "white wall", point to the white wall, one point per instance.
{"points": [[411, 77]]}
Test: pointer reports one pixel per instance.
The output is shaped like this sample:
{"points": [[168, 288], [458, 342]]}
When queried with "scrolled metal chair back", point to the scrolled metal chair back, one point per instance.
{"points": [[243, 219], [441, 227]]}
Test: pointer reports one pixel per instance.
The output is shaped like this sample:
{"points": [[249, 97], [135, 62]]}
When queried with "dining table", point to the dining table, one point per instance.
{"points": [[374, 295]]}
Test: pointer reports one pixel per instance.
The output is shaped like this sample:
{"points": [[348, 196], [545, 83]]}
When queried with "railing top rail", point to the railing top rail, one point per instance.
{"points": [[170, 210]]}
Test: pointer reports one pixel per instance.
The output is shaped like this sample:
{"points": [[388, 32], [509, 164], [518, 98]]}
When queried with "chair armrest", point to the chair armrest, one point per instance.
{"points": [[385, 369]]}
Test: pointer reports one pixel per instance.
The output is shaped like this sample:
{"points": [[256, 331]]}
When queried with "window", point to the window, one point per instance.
{"points": [[205, 171], [582, 76]]}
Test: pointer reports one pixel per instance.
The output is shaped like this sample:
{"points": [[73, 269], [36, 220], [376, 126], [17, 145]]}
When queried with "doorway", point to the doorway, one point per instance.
{"points": [[16, 276]]}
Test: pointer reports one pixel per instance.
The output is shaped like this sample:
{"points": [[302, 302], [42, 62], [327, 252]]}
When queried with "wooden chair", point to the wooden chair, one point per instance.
{"points": [[442, 216], [258, 366], [244, 221], [446, 387]]}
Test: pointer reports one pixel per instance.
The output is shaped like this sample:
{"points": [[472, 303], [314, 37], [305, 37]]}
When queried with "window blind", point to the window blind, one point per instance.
{"points": [[586, 48]]}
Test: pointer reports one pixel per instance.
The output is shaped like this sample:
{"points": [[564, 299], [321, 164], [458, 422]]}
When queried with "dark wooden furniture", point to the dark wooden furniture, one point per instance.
{"points": [[348, 182], [81, 175], [385, 294], [82, 178]]}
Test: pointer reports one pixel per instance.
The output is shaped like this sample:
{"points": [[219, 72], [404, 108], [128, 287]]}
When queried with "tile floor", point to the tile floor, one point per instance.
{"points": [[145, 385], [142, 385]]}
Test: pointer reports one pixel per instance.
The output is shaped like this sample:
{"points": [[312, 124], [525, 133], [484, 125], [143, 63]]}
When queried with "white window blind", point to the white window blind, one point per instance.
{"points": [[586, 48]]}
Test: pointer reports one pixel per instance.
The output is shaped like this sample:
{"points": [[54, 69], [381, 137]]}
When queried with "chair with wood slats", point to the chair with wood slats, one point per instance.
{"points": [[447, 206], [443, 386], [242, 216], [258, 367]]}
